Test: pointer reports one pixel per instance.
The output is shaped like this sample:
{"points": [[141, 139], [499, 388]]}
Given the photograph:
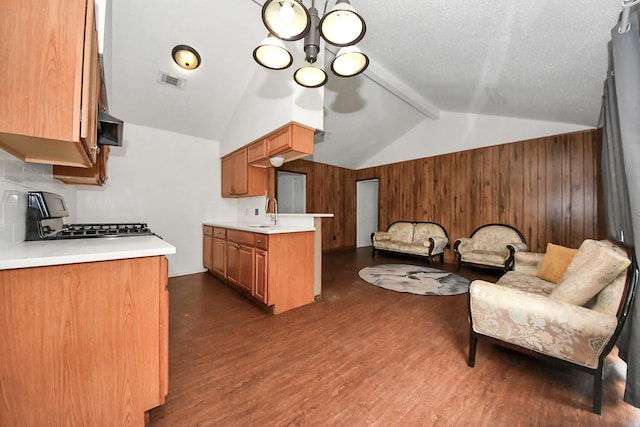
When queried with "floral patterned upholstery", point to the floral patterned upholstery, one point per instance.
{"points": [[520, 311], [533, 321], [420, 238], [491, 245]]}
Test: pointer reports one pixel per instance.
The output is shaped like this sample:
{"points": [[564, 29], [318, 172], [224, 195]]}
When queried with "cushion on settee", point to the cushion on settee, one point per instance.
{"points": [[401, 231], [594, 266], [422, 232], [555, 262], [526, 282], [608, 300]]}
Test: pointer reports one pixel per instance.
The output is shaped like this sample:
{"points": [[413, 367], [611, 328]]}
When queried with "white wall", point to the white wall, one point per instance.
{"points": [[455, 132], [272, 99], [16, 179], [168, 180]]}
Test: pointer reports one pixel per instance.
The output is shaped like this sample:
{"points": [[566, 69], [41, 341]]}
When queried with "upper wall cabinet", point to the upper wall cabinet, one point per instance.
{"points": [[290, 142], [239, 179], [95, 175], [49, 84]]}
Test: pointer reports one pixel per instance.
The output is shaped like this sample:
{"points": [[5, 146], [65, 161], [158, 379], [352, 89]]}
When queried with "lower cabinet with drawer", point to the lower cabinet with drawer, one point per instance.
{"points": [[273, 270], [207, 247]]}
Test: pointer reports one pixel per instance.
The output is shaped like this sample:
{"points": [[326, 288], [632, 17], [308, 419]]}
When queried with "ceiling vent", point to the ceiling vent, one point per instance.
{"points": [[170, 80]]}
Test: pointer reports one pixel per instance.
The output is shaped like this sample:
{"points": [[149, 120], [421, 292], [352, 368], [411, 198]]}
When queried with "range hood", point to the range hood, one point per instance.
{"points": [[109, 129]]}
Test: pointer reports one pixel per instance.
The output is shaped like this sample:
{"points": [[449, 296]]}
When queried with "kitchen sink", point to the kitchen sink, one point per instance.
{"points": [[260, 226]]}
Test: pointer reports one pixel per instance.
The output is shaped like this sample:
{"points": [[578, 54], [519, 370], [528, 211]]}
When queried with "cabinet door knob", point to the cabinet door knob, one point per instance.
{"points": [[259, 241]]}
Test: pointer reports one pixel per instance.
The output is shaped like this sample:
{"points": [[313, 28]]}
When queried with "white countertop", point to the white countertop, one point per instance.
{"points": [[262, 229], [287, 223], [313, 215], [71, 251]]}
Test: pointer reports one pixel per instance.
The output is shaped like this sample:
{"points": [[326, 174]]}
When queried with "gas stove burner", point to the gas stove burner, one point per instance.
{"points": [[45, 213], [71, 231]]}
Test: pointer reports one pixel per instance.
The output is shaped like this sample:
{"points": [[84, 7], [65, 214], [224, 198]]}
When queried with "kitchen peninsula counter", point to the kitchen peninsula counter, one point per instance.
{"points": [[259, 228], [287, 223], [70, 251]]}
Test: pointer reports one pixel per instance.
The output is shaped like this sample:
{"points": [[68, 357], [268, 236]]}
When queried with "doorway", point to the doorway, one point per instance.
{"points": [[292, 192], [366, 211]]}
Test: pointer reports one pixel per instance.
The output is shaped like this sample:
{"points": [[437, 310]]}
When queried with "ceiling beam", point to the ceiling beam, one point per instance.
{"points": [[383, 77]]}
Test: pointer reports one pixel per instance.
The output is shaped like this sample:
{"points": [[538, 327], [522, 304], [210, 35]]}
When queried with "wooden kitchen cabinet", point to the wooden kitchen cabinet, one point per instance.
{"points": [[85, 343], [240, 258], [49, 86], [292, 141], [207, 247], [239, 179], [257, 151], [240, 265], [95, 175], [245, 267], [260, 278], [219, 252], [273, 269], [280, 141], [233, 263]]}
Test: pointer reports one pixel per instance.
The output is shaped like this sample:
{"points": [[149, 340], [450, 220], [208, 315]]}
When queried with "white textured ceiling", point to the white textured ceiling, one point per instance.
{"points": [[543, 60]]}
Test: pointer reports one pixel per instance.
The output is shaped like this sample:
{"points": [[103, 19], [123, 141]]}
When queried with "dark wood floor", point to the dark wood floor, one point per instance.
{"points": [[361, 356]]}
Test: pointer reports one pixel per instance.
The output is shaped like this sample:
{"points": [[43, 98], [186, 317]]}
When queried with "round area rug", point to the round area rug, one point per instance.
{"points": [[414, 279]]}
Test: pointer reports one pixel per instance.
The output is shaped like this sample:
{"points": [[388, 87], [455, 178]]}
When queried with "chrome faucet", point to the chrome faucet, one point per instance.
{"points": [[274, 216]]}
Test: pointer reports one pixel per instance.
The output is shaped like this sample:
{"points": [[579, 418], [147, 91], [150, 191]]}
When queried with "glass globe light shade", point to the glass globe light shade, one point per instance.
{"points": [[272, 54], [349, 61], [286, 19], [310, 76], [342, 26]]}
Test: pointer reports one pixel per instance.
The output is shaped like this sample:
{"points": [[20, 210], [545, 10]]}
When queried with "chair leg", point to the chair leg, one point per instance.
{"points": [[442, 258], [473, 340], [373, 252], [597, 390]]}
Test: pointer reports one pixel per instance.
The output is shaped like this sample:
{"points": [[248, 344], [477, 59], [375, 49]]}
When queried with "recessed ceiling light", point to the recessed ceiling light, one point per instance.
{"points": [[186, 57]]}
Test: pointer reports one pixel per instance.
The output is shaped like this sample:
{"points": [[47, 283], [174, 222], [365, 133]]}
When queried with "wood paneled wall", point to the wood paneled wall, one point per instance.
{"points": [[548, 188], [330, 189]]}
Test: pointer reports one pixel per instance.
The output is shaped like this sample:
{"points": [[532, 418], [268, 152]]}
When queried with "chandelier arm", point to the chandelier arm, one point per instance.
{"points": [[626, 9], [312, 39]]}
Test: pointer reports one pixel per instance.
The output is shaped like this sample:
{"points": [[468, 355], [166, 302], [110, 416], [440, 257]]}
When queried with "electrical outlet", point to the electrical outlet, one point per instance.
{"points": [[256, 212]]}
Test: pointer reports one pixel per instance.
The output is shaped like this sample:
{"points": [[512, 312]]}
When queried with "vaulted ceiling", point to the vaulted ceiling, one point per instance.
{"points": [[543, 60]]}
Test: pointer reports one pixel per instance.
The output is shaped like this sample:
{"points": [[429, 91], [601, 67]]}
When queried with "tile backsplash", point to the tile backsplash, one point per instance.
{"points": [[16, 179]]}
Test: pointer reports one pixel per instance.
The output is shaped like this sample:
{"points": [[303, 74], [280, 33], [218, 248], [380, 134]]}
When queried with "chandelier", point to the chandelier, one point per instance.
{"points": [[291, 20]]}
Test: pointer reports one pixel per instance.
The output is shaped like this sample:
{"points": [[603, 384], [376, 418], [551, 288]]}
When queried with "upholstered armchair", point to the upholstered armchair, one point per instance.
{"points": [[490, 245], [428, 239], [574, 322]]}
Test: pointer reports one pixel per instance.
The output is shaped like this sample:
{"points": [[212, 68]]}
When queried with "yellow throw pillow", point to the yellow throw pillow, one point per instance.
{"points": [[555, 262]]}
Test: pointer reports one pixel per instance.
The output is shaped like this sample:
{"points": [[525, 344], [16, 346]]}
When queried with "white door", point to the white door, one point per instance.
{"points": [[366, 211], [292, 192]]}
